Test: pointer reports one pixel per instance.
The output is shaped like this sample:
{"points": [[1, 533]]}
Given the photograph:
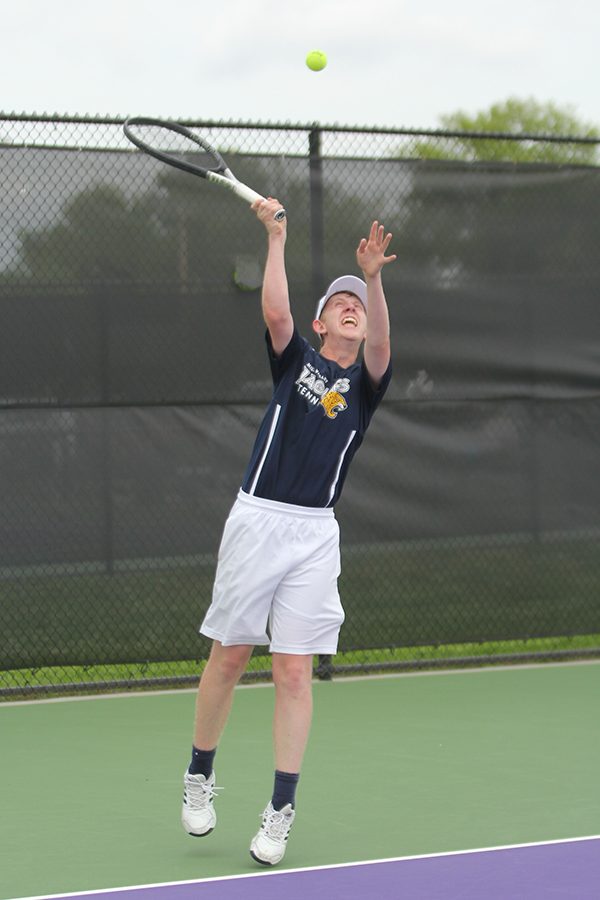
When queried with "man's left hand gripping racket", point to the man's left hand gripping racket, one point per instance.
{"points": [[181, 147]]}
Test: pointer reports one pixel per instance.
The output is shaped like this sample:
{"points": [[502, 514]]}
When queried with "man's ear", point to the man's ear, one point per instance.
{"points": [[319, 327]]}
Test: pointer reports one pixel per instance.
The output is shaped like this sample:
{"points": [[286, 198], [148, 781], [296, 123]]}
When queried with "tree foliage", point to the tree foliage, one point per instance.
{"points": [[99, 236], [528, 122]]}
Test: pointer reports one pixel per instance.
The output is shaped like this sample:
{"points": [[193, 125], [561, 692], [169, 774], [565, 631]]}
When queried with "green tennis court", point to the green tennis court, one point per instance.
{"points": [[396, 766]]}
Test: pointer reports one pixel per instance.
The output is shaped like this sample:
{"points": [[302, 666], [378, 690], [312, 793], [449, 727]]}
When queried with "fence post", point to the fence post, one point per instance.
{"points": [[102, 299], [316, 212], [324, 668]]}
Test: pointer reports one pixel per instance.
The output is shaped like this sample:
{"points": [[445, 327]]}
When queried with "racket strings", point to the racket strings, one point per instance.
{"points": [[178, 146]]}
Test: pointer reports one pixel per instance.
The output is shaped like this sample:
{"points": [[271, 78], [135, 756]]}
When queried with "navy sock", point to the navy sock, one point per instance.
{"points": [[202, 762], [284, 789]]}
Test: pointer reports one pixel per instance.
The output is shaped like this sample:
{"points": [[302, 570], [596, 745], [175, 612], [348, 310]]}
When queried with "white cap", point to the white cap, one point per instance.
{"points": [[349, 283]]}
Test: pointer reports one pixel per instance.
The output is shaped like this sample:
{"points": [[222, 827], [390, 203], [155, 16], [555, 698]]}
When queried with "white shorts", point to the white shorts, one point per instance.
{"points": [[276, 581]]}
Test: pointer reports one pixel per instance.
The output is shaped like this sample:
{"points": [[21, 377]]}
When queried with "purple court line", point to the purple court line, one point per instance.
{"points": [[552, 871]]}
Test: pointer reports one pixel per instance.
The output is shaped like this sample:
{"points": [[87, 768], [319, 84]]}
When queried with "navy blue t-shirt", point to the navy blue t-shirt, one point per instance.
{"points": [[313, 426]]}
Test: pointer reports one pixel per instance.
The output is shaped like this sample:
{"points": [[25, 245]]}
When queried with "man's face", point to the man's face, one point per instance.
{"points": [[344, 315]]}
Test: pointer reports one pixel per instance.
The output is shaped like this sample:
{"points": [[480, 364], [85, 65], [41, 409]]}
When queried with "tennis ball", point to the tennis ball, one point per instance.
{"points": [[316, 60]]}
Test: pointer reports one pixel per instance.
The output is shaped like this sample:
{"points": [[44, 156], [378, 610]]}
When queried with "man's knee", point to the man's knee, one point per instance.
{"points": [[229, 663], [291, 673]]}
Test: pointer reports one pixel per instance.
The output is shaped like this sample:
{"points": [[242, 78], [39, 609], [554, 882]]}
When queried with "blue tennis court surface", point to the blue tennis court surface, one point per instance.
{"points": [[567, 869]]}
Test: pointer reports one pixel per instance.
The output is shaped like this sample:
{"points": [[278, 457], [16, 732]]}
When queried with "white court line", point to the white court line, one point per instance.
{"points": [[366, 862], [339, 679]]}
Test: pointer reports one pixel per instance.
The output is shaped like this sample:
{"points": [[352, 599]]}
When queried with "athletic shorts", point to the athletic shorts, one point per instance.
{"points": [[276, 580]]}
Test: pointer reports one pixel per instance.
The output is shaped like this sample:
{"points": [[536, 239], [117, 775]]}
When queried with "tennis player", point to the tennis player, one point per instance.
{"points": [[279, 559]]}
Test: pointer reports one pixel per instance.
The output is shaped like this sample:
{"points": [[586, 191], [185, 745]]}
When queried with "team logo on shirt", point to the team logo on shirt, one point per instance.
{"points": [[312, 385], [333, 403]]}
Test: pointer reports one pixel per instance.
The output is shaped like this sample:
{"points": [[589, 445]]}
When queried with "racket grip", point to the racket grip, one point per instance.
{"points": [[250, 196]]}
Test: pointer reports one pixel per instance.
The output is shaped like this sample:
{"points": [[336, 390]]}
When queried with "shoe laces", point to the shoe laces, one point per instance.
{"points": [[276, 824], [200, 794]]}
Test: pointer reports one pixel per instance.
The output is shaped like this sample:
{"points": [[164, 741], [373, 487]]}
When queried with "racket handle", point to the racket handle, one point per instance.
{"points": [[250, 196]]}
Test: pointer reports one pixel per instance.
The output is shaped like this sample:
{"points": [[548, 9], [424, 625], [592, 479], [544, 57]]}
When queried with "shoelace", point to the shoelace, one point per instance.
{"points": [[200, 795], [276, 824]]}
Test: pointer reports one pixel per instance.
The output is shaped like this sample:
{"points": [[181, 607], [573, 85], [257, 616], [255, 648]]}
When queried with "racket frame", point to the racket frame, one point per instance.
{"points": [[220, 174]]}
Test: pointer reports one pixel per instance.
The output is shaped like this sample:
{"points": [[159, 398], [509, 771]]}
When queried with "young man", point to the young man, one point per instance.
{"points": [[279, 560]]}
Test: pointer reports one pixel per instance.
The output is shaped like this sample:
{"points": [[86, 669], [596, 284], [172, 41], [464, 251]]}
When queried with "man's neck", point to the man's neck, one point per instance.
{"points": [[344, 356]]}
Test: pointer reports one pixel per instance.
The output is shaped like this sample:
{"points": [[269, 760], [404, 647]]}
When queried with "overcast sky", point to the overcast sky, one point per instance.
{"points": [[396, 63]]}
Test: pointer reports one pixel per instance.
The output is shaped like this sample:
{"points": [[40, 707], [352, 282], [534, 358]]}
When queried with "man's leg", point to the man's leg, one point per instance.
{"points": [[292, 676], [222, 672]]}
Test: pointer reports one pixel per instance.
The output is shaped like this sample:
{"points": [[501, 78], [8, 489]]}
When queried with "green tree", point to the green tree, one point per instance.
{"points": [[522, 119], [482, 207], [99, 236]]}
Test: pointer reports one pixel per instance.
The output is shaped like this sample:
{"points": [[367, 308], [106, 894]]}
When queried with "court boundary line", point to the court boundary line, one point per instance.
{"points": [[367, 862], [377, 676]]}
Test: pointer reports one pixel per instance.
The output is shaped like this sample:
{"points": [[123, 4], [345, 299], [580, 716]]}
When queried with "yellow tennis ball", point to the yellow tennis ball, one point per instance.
{"points": [[316, 60]]}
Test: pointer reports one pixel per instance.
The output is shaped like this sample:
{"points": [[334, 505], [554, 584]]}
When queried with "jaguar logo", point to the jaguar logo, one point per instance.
{"points": [[333, 403]]}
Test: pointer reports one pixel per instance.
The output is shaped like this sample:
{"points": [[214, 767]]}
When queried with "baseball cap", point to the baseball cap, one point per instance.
{"points": [[344, 283]]}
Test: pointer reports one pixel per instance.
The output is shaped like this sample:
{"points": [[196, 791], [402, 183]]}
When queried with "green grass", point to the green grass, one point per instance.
{"points": [[412, 601], [126, 676]]}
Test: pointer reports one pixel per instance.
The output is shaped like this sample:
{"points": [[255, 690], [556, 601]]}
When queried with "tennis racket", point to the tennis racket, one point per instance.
{"points": [[181, 147]]}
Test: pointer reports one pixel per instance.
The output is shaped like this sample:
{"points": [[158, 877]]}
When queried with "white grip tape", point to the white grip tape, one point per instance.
{"points": [[241, 189]]}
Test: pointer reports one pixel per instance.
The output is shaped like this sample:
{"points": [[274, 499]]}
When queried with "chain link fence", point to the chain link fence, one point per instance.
{"points": [[133, 377]]}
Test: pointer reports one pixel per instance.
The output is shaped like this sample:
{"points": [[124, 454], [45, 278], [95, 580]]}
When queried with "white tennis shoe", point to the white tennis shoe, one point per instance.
{"points": [[198, 815], [268, 845]]}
